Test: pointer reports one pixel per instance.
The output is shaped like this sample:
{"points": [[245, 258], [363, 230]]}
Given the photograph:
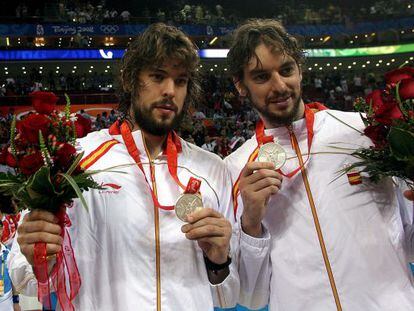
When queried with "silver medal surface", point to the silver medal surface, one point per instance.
{"points": [[272, 152], [186, 204]]}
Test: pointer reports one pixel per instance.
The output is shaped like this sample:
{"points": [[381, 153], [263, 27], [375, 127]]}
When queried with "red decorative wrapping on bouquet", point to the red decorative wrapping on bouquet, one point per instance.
{"points": [[65, 265], [40, 270]]}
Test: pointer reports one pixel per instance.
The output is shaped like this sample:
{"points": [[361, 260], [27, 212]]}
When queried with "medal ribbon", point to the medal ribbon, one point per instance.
{"points": [[172, 155], [263, 139], [193, 185]]}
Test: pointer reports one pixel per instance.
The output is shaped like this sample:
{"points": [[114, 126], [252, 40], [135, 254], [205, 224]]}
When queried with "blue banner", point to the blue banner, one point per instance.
{"points": [[56, 30], [64, 54], [45, 30]]}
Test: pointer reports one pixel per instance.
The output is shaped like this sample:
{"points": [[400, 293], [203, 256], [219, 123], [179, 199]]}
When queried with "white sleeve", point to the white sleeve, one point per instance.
{"points": [[20, 270], [406, 208], [253, 256], [254, 270], [226, 294]]}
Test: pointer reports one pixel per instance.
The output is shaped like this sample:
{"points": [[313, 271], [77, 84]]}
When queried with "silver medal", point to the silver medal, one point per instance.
{"points": [[272, 152], [186, 204]]}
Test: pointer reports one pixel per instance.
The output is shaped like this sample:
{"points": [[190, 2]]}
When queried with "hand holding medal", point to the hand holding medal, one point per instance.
{"points": [[212, 231], [258, 181]]}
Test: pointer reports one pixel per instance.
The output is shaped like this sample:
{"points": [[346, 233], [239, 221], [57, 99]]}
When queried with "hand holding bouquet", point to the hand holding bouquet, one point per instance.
{"points": [[47, 176]]}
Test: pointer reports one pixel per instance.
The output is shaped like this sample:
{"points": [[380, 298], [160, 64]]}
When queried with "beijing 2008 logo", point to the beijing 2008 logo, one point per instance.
{"points": [[109, 29]]}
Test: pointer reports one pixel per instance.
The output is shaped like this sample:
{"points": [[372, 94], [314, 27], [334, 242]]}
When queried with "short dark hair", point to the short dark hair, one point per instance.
{"points": [[156, 45], [254, 32]]}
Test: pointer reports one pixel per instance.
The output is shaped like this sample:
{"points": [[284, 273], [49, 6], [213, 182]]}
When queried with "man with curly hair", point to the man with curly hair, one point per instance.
{"points": [[132, 251]]}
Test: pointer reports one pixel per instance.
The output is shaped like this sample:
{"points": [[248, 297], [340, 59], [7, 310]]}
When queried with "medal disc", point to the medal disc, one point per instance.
{"points": [[272, 152], [186, 204]]}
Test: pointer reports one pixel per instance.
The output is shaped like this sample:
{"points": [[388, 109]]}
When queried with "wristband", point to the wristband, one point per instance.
{"points": [[216, 267], [15, 298]]}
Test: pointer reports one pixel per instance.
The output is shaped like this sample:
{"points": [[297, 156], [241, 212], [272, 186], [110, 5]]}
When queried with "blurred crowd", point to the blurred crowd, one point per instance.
{"points": [[24, 84], [222, 122], [316, 13], [211, 13]]}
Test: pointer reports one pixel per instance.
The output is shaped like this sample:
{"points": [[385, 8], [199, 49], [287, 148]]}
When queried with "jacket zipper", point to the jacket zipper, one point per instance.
{"points": [[157, 229], [295, 146]]}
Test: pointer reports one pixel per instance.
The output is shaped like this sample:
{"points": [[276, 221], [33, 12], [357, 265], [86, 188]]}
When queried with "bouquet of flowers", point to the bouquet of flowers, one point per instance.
{"points": [[43, 154], [388, 115], [47, 176]]}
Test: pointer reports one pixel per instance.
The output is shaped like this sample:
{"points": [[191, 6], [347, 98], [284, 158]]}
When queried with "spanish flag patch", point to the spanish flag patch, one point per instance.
{"points": [[354, 178], [97, 154]]}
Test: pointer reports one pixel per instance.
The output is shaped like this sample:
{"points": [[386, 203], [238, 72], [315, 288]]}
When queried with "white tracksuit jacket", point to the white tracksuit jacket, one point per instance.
{"points": [[367, 230], [132, 256]]}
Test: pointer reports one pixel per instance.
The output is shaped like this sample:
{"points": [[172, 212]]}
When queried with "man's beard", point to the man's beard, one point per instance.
{"points": [[276, 119], [144, 118]]}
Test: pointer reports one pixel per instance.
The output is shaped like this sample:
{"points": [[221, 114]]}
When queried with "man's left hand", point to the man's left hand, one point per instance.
{"points": [[211, 231]]}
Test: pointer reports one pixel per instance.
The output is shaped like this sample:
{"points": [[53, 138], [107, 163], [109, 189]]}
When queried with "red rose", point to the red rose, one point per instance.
{"points": [[406, 89], [385, 111], [395, 76], [43, 102], [64, 155], [378, 134], [30, 163], [31, 126], [10, 160], [83, 126]]}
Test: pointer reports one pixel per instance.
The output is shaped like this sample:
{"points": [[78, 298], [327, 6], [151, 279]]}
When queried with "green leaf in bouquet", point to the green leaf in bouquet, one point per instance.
{"points": [[364, 119], [75, 187], [401, 143], [67, 106], [370, 111], [40, 183], [43, 149], [13, 136], [75, 163], [68, 137], [9, 178], [405, 109], [10, 184], [397, 93]]}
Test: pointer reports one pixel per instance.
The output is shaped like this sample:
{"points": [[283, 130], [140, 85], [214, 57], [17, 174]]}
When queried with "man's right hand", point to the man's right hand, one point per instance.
{"points": [[39, 226], [258, 181]]}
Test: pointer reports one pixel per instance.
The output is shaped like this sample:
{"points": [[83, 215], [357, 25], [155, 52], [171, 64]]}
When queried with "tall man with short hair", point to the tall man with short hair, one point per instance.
{"points": [[317, 240], [131, 249]]}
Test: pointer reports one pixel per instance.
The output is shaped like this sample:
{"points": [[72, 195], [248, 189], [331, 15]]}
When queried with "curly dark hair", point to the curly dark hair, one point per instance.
{"points": [[156, 45], [255, 32]]}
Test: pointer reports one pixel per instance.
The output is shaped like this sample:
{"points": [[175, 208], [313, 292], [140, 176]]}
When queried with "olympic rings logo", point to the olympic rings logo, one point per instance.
{"points": [[109, 29]]}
